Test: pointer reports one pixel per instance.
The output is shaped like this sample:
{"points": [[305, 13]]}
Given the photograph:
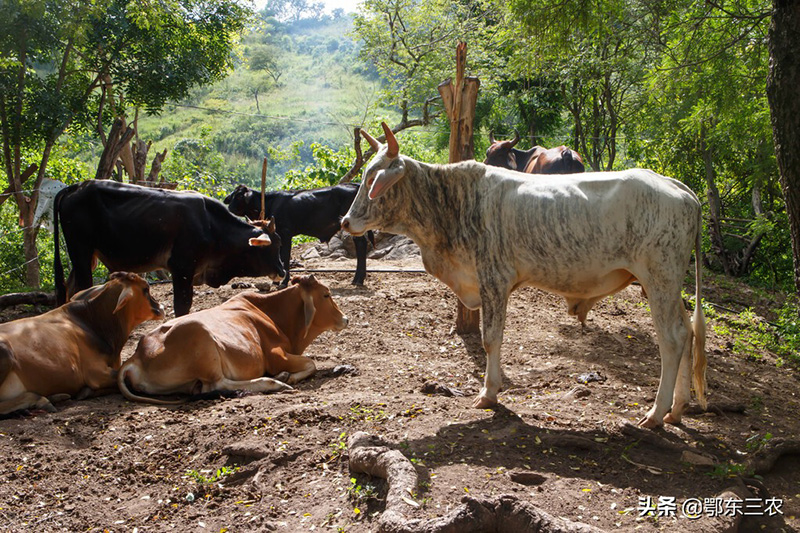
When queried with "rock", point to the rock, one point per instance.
{"points": [[311, 253], [344, 370], [581, 391], [434, 387], [589, 377]]}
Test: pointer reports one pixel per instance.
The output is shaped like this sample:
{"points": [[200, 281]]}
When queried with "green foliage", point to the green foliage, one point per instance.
{"points": [[213, 477], [757, 441], [338, 447], [729, 470], [359, 494], [327, 169], [786, 341], [752, 336]]}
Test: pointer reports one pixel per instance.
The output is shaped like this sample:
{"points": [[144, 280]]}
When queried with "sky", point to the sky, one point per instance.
{"points": [[349, 6]]}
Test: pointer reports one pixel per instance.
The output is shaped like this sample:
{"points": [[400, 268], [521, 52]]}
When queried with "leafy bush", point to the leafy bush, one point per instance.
{"points": [[327, 169]]}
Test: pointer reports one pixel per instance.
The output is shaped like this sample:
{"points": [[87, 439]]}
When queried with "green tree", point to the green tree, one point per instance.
{"points": [[708, 91], [59, 59], [412, 45], [595, 49]]}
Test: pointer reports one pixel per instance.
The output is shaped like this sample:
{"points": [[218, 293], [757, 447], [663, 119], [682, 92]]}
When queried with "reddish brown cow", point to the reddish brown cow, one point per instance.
{"points": [[73, 350], [537, 160], [235, 345]]}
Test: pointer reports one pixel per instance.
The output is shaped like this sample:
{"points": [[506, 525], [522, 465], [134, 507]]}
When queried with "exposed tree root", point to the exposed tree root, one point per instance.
{"points": [[260, 459], [655, 438], [764, 459], [719, 408], [477, 515]]}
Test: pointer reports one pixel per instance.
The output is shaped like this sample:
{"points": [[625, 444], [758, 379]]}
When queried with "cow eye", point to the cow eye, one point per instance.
{"points": [[327, 296]]}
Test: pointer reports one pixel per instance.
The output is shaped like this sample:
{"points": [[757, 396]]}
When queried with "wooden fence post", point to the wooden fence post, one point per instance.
{"points": [[459, 104]]}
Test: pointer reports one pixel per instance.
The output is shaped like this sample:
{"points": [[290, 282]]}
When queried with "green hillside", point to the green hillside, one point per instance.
{"points": [[295, 84]]}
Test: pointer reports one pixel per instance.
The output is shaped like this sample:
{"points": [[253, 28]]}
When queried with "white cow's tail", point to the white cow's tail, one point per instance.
{"points": [[123, 388], [699, 326]]}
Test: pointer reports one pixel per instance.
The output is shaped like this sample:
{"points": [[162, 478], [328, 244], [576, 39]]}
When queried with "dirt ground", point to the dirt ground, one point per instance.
{"points": [[279, 462]]}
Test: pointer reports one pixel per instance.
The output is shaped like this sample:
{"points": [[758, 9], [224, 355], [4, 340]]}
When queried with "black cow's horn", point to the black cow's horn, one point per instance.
{"points": [[516, 138], [491, 137]]}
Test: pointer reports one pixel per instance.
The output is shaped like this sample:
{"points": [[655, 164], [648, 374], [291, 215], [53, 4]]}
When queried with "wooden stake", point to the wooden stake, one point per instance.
{"points": [[263, 188]]}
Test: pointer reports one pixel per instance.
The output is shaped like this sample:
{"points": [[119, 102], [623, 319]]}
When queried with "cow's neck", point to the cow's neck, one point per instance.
{"points": [[285, 308], [435, 207], [108, 331]]}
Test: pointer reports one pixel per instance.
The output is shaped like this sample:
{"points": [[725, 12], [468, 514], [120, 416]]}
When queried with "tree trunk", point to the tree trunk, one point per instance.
{"points": [[118, 139], [155, 167], [27, 210], [714, 206], [782, 83], [140, 150], [29, 234], [459, 103]]}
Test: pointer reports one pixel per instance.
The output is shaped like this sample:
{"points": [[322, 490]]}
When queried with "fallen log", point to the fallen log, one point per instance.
{"points": [[29, 298]]}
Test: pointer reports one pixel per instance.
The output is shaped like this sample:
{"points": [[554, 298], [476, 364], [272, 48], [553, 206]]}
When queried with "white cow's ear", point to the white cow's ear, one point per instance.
{"points": [[386, 178]]}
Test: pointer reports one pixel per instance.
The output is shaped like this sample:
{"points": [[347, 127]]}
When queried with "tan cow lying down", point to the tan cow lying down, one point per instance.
{"points": [[73, 350], [235, 345]]}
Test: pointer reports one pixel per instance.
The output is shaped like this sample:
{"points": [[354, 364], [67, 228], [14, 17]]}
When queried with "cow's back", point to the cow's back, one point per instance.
{"points": [[551, 227], [138, 228], [314, 212]]}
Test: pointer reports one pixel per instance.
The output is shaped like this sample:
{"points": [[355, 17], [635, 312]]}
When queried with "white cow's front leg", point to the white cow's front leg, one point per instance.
{"points": [[494, 319]]}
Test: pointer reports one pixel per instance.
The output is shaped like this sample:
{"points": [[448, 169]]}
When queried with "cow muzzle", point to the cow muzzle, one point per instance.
{"points": [[158, 310], [351, 227]]}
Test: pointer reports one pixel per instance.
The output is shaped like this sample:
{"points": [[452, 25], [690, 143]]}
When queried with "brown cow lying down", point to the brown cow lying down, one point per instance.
{"points": [[234, 346], [73, 350]]}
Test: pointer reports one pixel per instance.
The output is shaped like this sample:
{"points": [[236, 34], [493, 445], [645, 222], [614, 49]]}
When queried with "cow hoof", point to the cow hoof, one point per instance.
{"points": [[44, 404], [672, 419], [283, 377], [650, 422], [482, 402], [58, 398]]}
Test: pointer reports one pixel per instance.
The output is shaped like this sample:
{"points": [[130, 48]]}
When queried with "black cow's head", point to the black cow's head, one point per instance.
{"points": [[258, 256], [239, 200], [501, 153]]}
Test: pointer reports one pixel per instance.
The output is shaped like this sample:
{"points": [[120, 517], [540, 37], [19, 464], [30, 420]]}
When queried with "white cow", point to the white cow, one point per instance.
{"points": [[484, 231], [44, 207]]}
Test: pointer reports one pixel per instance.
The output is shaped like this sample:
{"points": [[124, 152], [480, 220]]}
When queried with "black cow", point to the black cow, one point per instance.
{"points": [[316, 213], [140, 229], [537, 160]]}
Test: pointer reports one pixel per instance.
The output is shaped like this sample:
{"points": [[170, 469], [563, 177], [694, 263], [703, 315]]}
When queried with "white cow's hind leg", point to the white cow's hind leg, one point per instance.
{"points": [[683, 392], [673, 338], [494, 319]]}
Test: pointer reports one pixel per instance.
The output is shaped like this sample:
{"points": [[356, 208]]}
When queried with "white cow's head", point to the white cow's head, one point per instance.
{"points": [[369, 210], [44, 208]]}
